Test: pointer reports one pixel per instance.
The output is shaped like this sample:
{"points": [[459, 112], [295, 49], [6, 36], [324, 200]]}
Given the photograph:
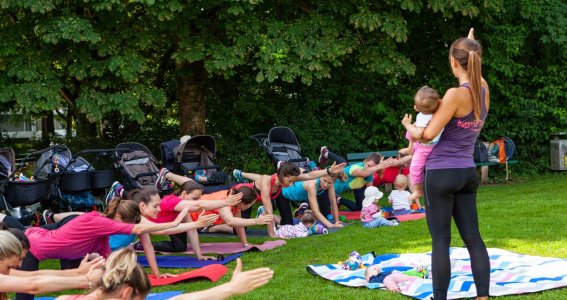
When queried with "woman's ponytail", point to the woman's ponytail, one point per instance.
{"points": [[474, 72], [128, 210]]}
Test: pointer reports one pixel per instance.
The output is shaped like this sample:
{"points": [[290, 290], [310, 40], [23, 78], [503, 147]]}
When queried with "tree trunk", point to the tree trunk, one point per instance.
{"points": [[69, 125], [191, 90], [47, 127]]}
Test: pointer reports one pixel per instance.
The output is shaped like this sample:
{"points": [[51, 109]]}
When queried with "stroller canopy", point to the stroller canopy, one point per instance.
{"points": [[7, 162], [197, 145], [282, 136], [133, 147], [52, 160]]}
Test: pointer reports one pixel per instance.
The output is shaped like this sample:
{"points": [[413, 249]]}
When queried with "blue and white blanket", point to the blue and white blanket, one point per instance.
{"points": [[511, 273]]}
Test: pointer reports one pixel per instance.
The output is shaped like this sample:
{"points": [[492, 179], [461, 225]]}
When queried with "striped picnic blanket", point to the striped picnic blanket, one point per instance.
{"points": [[511, 273]]}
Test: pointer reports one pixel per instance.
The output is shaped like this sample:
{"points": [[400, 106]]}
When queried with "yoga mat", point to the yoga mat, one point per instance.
{"points": [[511, 273], [172, 261], [211, 272], [235, 247], [355, 215], [151, 296], [256, 232], [163, 295]]}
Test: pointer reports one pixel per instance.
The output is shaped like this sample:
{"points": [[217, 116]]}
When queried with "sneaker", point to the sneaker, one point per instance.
{"points": [[47, 217], [395, 222], [299, 211], [323, 155], [162, 183], [115, 191], [238, 175], [260, 211]]}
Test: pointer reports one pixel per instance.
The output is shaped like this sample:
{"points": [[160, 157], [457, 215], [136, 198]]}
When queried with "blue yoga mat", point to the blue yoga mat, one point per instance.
{"points": [[172, 261], [152, 296]]}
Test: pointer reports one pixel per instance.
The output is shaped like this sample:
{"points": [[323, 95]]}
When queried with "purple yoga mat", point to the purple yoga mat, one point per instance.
{"points": [[235, 247], [184, 261]]}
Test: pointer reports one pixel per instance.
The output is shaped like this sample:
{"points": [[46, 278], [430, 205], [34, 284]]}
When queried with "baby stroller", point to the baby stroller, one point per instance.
{"points": [[195, 157], [21, 191], [281, 144], [80, 178], [7, 167], [137, 165]]}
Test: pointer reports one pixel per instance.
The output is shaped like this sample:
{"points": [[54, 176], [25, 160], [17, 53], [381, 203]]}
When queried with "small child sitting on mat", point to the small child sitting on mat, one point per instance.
{"points": [[301, 229], [400, 197], [370, 215]]}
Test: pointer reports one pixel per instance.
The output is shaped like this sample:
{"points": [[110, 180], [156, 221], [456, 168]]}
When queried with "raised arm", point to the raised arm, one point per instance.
{"points": [[198, 205], [83, 269], [146, 227], [202, 221], [42, 284], [334, 169], [241, 283], [232, 221], [384, 163]]}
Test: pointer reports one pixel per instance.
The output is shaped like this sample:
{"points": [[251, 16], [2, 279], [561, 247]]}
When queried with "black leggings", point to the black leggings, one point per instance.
{"points": [[177, 243], [355, 205], [284, 206], [452, 192]]}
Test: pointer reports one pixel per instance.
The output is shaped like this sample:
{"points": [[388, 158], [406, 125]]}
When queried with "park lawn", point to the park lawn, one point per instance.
{"points": [[525, 216]]}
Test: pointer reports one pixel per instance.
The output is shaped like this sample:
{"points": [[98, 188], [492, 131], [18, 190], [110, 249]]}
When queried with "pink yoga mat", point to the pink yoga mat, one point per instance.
{"points": [[211, 272], [355, 215], [235, 247]]}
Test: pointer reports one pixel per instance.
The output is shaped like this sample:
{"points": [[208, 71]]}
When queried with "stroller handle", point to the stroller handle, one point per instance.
{"points": [[145, 175], [297, 160], [34, 154], [99, 152]]}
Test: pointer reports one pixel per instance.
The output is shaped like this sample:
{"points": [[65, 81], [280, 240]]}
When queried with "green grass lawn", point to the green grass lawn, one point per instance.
{"points": [[525, 216]]}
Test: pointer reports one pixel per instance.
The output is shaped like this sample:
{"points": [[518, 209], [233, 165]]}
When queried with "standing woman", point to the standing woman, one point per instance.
{"points": [[451, 181]]}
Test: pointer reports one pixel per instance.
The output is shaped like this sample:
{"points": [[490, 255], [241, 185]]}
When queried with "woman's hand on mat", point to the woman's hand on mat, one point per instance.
{"points": [[206, 257], [264, 219], [244, 282], [337, 225], [337, 168], [165, 275], [206, 220], [232, 200], [86, 265]]}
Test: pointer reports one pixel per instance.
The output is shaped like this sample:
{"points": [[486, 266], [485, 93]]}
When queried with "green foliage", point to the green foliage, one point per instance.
{"points": [[339, 73]]}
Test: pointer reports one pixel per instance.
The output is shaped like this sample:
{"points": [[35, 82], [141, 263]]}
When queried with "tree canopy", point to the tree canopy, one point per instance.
{"points": [[337, 72]]}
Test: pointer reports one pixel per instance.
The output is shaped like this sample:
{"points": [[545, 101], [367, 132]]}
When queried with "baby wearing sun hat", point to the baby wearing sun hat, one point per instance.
{"points": [[370, 215]]}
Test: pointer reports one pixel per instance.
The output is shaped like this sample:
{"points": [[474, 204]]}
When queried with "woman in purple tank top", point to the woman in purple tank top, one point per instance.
{"points": [[451, 180]]}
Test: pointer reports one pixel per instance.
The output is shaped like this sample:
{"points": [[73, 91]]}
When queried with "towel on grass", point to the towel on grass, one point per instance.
{"points": [[184, 261], [151, 296], [355, 215], [511, 273]]}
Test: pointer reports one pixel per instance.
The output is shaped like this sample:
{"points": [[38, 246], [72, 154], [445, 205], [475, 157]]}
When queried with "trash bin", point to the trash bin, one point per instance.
{"points": [[558, 146]]}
